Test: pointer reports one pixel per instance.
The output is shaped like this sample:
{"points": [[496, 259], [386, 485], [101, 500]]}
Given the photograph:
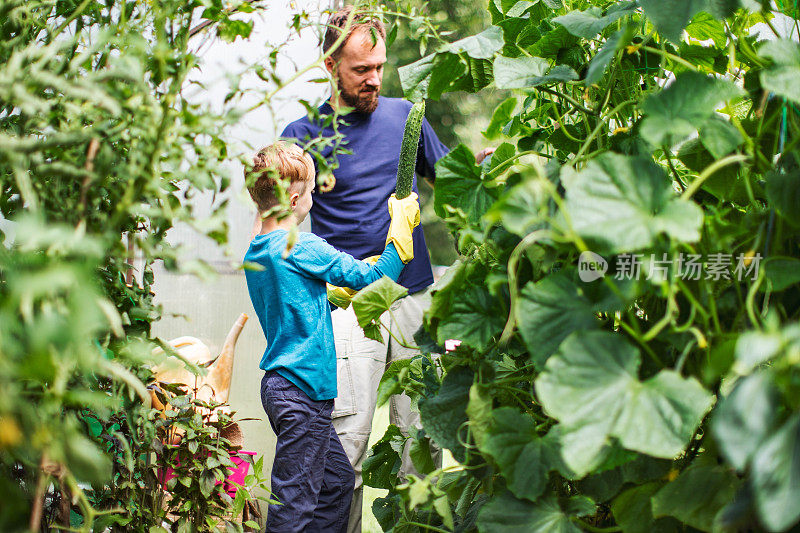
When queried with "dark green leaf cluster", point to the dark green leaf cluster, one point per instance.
{"points": [[627, 294]]}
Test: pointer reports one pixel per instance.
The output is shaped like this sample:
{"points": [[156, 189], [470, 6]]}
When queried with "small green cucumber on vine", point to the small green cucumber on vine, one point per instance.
{"points": [[408, 150]]}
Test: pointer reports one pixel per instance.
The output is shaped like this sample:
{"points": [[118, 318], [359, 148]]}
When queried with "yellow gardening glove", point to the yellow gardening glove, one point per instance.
{"points": [[405, 217], [341, 296]]}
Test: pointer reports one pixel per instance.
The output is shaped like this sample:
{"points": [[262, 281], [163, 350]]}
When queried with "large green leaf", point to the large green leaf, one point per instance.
{"points": [[474, 319], [421, 455], [697, 494], [481, 46], [460, 184], [782, 272], [85, 460], [781, 77], [523, 456], [502, 157], [725, 184], [589, 23], [387, 512], [550, 309], [524, 72], [374, 300], [754, 348], [506, 514], [633, 510], [446, 290], [391, 381], [591, 385], [479, 411], [501, 116], [776, 477], [620, 204], [783, 189], [604, 486], [676, 112], [719, 137], [671, 16], [430, 76], [553, 42], [443, 413], [383, 460], [521, 209], [604, 57], [415, 77], [704, 27], [745, 418]]}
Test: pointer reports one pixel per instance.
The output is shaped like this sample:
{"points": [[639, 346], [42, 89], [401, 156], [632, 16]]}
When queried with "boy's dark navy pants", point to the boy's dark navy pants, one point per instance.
{"points": [[311, 475]]}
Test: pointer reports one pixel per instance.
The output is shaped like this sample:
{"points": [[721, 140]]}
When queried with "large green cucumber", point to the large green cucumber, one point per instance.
{"points": [[408, 151]]}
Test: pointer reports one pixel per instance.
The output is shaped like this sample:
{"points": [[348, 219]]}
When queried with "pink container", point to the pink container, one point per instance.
{"points": [[237, 475], [241, 461]]}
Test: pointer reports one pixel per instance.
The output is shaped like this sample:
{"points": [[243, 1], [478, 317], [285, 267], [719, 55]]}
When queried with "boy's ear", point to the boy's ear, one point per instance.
{"points": [[293, 199]]}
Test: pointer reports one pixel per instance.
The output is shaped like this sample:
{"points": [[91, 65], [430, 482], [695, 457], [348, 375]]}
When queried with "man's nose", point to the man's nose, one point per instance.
{"points": [[373, 79]]}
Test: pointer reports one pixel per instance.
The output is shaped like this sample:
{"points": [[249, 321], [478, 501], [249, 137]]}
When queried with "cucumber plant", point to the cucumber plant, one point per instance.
{"points": [[628, 292]]}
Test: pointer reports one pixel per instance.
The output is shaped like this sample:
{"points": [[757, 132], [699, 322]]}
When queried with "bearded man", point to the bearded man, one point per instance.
{"points": [[353, 218]]}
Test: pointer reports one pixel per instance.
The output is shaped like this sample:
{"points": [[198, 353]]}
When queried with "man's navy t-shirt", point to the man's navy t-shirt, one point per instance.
{"points": [[353, 217]]}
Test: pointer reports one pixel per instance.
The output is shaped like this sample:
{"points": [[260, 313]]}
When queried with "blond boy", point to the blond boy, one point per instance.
{"points": [[311, 475]]}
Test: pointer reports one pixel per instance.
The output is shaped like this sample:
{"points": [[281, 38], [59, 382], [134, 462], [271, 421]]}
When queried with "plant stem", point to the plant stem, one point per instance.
{"points": [[636, 336], [38, 496], [672, 57], [398, 341], [665, 320], [529, 240], [502, 167], [569, 99], [597, 129], [668, 155], [750, 302], [428, 527], [710, 170]]}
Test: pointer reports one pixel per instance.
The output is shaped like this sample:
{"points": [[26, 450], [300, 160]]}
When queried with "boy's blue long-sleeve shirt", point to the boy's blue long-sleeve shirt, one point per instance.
{"points": [[290, 299]]}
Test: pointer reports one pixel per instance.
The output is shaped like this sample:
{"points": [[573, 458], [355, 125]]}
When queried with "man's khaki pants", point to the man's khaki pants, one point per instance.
{"points": [[360, 365]]}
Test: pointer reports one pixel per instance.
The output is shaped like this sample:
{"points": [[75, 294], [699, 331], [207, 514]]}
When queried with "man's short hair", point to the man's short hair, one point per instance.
{"points": [[361, 21], [279, 161]]}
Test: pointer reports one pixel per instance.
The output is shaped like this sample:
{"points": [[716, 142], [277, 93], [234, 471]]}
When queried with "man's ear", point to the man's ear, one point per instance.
{"points": [[293, 199], [330, 65]]}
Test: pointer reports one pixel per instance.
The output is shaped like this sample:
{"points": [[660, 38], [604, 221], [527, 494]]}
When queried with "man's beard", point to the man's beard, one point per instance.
{"points": [[362, 102]]}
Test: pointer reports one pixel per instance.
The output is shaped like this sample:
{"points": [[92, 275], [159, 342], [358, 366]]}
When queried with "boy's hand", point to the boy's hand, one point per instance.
{"points": [[340, 296], [405, 217]]}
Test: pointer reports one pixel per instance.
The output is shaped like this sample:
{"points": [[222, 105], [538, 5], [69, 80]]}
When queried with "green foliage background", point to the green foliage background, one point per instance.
{"points": [[98, 148], [656, 128], [664, 403]]}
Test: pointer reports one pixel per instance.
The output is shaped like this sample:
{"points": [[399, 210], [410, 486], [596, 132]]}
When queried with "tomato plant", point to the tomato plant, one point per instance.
{"points": [[627, 294], [98, 148]]}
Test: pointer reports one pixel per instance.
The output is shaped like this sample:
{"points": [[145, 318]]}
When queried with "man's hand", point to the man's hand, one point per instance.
{"points": [[405, 217], [480, 156]]}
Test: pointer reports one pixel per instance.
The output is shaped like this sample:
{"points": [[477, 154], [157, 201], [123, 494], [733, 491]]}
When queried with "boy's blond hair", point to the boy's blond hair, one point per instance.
{"points": [[278, 160]]}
